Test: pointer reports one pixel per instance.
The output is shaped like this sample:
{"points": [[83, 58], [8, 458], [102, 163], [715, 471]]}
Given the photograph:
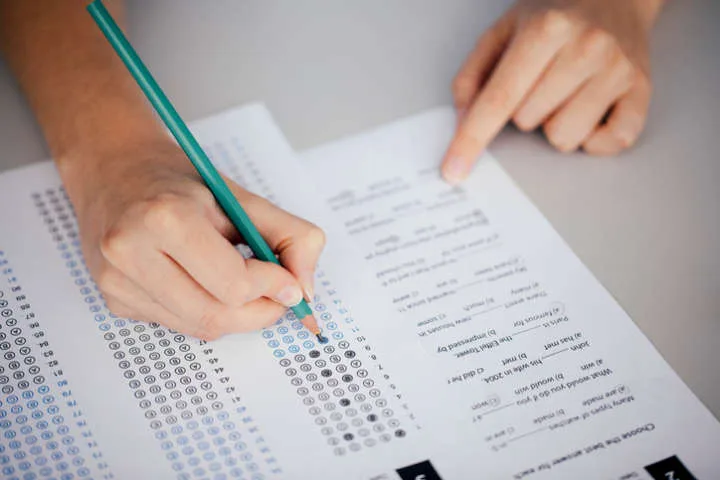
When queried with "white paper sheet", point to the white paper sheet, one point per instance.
{"points": [[527, 363], [86, 395], [122, 399]]}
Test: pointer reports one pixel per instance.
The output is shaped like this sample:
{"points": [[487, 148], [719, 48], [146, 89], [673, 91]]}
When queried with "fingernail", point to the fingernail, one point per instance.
{"points": [[307, 280], [289, 296], [455, 170]]}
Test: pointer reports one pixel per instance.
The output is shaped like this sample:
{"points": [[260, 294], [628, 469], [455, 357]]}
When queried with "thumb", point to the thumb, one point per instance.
{"points": [[300, 254], [297, 242]]}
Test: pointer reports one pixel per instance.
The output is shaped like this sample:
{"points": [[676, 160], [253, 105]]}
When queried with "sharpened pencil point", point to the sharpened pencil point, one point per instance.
{"points": [[311, 324]]}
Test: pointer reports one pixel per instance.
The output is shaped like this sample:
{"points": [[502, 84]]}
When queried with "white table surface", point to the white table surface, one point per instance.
{"points": [[646, 223]]}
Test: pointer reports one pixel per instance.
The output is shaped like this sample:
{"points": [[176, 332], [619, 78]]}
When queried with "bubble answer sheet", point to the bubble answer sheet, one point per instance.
{"points": [[466, 340]]}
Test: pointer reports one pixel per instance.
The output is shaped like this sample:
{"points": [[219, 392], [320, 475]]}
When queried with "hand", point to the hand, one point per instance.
{"points": [[161, 249], [579, 68]]}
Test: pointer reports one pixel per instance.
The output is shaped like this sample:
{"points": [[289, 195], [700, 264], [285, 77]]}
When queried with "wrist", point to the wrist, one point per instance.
{"points": [[97, 168], [98, 123]]}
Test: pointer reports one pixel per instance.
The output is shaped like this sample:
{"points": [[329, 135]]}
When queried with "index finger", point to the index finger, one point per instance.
{"points": [[529, 52]]}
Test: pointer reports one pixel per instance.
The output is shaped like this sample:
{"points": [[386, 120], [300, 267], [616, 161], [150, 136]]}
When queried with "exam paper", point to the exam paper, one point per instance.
{"points": [[88, 395], [511, 350], [395, 394]]}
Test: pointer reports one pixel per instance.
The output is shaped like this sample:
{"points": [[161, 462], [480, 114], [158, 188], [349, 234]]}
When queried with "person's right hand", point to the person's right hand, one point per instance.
{"points": [[161, 249]]}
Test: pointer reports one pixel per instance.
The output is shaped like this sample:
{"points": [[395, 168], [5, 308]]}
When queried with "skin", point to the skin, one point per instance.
{"points": [[579, 69], [153, 237], [158, 245]]}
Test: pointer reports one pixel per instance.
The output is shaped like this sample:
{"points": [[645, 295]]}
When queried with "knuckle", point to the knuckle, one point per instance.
{"points": [[556, 137], [627, 71], [623, 71], [498, 98], [107, 281], [596, 44], [461, 85], [162, 214], [524, 122], [312, 238], [592, 148], [553, 23], [237, 289], [209, 326], [564, 147], [627, 137], [200, 192], [315, 236], [624, 140], [116, 245], [551, 131], [253, 202], [468, 139]]}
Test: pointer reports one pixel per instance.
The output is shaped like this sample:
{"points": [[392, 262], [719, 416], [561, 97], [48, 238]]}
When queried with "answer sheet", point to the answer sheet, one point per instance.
{"points": [[520, 358], [396, 394]]}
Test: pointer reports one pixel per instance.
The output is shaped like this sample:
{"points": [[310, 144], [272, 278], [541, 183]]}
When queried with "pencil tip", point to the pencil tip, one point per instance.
{"points": [[312, 325], [321, 338]]}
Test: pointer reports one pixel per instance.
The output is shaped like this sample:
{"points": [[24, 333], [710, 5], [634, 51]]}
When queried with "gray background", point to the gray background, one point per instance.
{"points": [[646, 223]]}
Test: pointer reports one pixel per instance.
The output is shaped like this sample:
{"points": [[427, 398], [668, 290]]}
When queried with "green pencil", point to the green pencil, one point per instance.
{"points": [[192, 149]]}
